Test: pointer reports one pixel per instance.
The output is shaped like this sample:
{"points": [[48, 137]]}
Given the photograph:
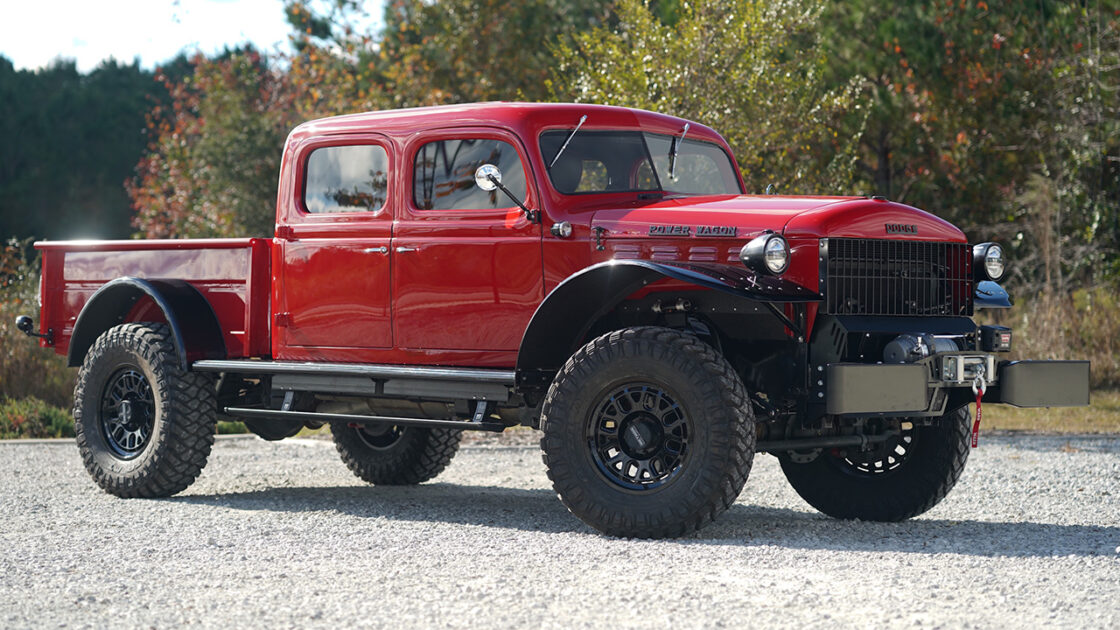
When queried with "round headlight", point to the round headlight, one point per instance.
{"points": [[776, 255], [993, 262], [987, 261], [768, 253]]}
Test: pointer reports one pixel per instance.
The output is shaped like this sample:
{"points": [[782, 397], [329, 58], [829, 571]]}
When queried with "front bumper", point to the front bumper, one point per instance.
{"points": [[926, 388]]}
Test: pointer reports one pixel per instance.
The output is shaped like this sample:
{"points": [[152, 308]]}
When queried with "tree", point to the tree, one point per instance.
{"points": [[744, 67], [69, 141], [215, 152]]}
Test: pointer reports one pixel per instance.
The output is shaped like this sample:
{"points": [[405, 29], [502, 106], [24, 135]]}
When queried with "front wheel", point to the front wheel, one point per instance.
{"points": [[144, 426], [897, 480], [647, 433]]}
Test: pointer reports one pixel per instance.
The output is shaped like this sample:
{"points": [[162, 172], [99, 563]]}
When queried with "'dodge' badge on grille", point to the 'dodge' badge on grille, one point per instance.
{"points": [[899, 228]]}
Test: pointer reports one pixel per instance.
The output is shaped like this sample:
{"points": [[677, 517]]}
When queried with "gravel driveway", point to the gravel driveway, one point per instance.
{"points": [[280, 535]]}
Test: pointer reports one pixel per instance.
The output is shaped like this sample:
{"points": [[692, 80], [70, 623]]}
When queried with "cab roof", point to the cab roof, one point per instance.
{"points": [[525, 118]]}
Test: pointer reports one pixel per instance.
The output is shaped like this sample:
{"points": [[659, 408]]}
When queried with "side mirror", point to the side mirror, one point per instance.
{"points": [[488, 177]]}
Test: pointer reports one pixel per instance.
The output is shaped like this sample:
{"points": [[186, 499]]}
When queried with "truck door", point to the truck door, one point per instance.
{"points": [[466, 262], [333, 252]]}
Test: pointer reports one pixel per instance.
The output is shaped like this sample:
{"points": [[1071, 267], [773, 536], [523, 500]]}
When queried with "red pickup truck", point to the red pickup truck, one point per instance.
{"points": [[595, 272]]}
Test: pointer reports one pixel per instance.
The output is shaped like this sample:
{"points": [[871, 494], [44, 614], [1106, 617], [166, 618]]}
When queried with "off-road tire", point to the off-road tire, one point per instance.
{"points": [[680, 369], [182, 413], [832, 485], [412, 456]]}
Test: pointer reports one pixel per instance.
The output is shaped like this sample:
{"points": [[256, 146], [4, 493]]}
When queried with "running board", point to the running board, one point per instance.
{"points": [[311, 416], [462, 375], [374, 381]]}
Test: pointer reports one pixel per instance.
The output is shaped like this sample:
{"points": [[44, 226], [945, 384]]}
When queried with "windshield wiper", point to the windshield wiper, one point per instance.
{"points": [[673, 148], [570, 136]]}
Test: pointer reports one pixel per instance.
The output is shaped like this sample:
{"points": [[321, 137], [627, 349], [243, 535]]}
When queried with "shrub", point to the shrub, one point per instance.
{"points": [[25, 368], [32, 418]]}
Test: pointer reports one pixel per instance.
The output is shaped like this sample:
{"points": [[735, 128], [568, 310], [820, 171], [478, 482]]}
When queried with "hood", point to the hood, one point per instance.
{"points": [[744, 216]]}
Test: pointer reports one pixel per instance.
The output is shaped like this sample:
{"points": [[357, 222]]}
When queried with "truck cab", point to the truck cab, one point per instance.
{"points": [[594, 272]]}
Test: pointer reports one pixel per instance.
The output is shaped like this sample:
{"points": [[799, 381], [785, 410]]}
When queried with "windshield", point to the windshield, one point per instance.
{"points": [[633, 161]]}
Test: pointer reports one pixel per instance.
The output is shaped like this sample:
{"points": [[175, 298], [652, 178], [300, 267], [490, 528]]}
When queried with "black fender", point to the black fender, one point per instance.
{"points": [[566, 315], [194, 326], [991, 295]]}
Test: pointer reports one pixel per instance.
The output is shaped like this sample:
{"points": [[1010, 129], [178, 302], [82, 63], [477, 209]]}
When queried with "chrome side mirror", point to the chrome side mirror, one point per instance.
{"points": [[488, 177]]}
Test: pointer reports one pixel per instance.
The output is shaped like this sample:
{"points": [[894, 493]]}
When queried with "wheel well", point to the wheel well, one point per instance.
{"points": [[622, 294], [195, 330]]}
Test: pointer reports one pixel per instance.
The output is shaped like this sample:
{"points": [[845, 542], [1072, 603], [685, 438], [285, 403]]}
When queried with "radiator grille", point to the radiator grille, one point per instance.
{"points": [[881, 277]]}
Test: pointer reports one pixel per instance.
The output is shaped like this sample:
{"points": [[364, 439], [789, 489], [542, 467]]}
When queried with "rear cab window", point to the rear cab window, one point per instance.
{"points": [[348, 178]]}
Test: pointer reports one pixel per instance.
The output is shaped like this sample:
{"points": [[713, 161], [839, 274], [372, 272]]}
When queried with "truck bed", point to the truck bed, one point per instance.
{"points": [[233, 274]]}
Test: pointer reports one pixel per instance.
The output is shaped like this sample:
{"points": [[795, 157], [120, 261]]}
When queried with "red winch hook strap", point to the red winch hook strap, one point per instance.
{"points": [[978, 387]]}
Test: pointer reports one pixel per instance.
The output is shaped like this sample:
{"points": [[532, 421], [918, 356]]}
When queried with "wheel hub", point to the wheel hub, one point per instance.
{"points": [[638, 436], [641, 435], [127, 413]]}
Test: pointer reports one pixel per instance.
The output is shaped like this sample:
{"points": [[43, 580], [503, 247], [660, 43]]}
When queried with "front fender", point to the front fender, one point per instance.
{"points": [[565, 316]]}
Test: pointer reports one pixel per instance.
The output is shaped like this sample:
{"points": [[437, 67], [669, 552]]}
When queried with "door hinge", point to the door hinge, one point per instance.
{"points": [[285, 232], [283, 320]]}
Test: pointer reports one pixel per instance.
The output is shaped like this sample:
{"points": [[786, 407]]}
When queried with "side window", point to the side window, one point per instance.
{"points": [[346, 179], [443, 176]]}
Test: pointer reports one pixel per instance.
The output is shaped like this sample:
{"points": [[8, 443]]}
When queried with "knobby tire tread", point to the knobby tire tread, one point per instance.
{"points": [[723, 468], [183, 435], [419, 455], [920, 484]]}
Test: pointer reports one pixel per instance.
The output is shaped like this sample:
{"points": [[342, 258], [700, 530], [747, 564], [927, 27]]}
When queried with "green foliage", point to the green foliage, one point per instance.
{"points": [[748, 68], [1001, 118], [25, 368], [33, 418], [211, 167]]}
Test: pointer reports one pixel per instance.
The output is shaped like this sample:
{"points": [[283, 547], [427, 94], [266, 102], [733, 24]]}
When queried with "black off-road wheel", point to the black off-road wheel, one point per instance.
{"points": [[648, 433], [903, 478], [144, 426], [392, 455]]}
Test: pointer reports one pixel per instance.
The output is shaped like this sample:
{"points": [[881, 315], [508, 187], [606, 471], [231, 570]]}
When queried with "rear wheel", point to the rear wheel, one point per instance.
{"points": [[388, 454], [897, 480], [144, 426], [648, 433]]}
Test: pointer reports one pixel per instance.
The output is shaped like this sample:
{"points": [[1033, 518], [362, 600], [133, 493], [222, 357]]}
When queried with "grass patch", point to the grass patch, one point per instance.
{"points": [[231, 427], [1101, 416]]}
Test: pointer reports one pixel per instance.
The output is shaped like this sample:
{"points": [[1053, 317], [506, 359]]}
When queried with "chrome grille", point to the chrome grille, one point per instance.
{"points": [[885, 277]]}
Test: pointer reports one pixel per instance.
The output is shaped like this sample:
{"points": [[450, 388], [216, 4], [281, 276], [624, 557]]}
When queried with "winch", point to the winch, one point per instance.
{"points": [[912, 347]]}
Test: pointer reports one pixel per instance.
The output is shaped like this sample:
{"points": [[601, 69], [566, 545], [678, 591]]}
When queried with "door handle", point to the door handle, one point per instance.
{"points": [[376, 250], [402, 250]]}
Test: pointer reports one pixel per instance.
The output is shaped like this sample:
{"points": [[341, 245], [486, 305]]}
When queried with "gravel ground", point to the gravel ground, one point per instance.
{"points": [[280, 535]]}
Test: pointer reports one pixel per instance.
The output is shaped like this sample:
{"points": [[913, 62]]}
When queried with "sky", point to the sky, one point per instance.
{"points": [[32, 33]]}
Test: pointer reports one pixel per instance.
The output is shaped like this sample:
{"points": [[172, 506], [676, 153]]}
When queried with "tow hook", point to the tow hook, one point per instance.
{"points": [[979, 386]]}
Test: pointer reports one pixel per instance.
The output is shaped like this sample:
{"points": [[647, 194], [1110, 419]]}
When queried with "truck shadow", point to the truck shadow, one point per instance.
{"points": [[743, 525]]}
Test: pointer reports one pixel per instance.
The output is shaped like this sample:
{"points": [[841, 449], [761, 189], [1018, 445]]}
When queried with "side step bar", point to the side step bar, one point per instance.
{"points": [[462, 375], [375, 381], [275, 414]]}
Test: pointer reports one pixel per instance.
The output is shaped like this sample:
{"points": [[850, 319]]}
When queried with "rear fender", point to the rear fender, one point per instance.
{"points": [[194, 326], [566, 315]]}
